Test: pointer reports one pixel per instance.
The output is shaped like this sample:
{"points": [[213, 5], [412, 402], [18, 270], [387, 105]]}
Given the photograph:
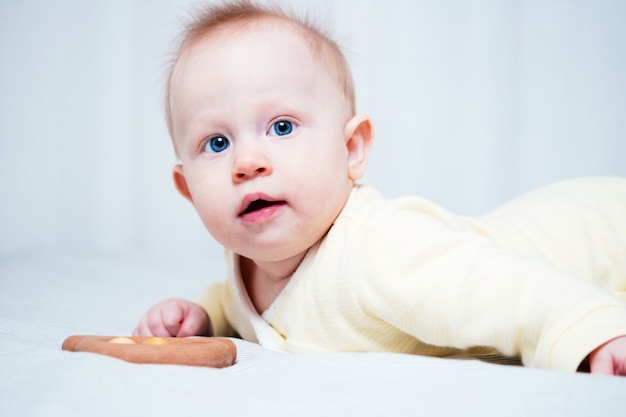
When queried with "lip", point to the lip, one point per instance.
{"points": [[257, 207]]}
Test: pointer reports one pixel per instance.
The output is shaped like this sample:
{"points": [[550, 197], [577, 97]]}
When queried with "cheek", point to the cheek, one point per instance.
{"points": [[213, 219], [333, 160], [323, 172], [206, 181], [209, 199]]}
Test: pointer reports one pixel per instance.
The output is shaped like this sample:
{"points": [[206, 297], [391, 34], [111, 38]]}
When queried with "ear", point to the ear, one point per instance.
{"points": [[359, 136], [181, 183]]}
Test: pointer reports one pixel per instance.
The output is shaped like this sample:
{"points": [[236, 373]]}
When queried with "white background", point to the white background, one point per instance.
{"points": [[474, 102]]}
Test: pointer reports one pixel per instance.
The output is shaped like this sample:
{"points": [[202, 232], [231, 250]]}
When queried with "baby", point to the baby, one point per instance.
{"points": [[261, 110]]}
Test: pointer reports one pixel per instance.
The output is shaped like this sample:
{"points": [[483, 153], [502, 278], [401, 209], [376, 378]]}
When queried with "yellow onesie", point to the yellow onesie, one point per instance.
{"points": [[539, 278]]}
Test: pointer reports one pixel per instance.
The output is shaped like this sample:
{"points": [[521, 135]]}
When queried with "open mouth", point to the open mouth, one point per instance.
{"points": [[258, 205]]}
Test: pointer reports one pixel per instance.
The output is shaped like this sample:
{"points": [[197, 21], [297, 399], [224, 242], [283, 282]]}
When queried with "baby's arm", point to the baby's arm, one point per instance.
{"points": [[610, 358], [175, 317]]}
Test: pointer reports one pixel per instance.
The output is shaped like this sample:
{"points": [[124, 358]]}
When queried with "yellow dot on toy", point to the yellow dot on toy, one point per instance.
{"points": [[155, 341], [122, 340]]}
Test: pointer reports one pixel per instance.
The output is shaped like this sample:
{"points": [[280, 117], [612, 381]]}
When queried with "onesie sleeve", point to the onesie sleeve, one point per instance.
{"points": [[212, 301], [446, 286]]}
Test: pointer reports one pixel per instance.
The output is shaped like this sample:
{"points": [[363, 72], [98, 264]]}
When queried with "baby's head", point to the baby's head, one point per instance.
{"points": [[260, 107]]}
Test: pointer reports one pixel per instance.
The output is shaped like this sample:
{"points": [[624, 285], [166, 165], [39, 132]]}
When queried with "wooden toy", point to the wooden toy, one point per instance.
{"points": [[213, 352]]}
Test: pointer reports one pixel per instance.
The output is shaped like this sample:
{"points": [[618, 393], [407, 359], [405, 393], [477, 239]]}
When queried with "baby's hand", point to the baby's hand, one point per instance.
{"points": [[175, 317], [610, 358]]}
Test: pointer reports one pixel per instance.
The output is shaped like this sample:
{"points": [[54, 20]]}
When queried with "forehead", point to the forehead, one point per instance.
{"points": [[251, 49]]}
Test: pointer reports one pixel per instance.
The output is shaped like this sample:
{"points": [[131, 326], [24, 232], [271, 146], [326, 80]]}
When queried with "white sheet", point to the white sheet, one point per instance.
{"points": [[47, 297]]}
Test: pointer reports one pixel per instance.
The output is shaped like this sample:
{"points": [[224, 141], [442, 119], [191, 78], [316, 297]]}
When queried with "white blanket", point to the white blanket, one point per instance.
{"points": [[46, 297]]}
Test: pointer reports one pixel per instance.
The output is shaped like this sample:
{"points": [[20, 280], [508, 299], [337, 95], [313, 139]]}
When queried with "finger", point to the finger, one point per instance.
{"points": [[171, 319], [188, 328], [142, 329], [195, 324], [155, 324]]}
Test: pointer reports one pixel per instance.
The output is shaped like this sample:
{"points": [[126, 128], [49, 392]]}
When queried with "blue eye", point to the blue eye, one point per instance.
{"points": [[216, 144], [281, 128]]}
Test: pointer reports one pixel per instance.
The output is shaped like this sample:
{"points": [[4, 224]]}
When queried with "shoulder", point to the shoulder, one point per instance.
{"points": [[367, 206], [375, 236], [372, 219]]}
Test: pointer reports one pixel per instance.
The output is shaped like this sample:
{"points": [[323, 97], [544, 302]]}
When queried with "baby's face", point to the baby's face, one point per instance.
{"points": [[259, 126]]}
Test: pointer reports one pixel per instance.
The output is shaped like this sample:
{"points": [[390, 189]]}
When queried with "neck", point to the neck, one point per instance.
{"points": [[264, 281], [271, 271]]}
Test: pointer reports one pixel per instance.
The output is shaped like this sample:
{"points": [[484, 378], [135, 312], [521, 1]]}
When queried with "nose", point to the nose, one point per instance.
{"points": [[250, 163]]}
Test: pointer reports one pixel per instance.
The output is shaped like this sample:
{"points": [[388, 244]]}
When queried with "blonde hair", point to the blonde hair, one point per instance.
{"points": [[241, 13]]}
